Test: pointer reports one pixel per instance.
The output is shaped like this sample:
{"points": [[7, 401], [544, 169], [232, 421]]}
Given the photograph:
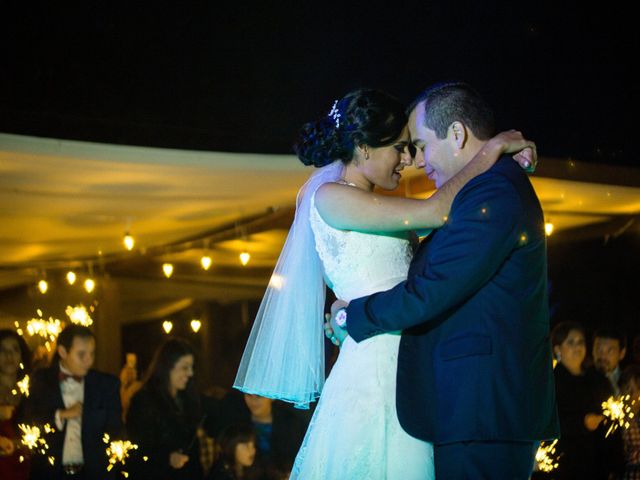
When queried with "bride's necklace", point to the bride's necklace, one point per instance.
{"points": [[344, 182]]}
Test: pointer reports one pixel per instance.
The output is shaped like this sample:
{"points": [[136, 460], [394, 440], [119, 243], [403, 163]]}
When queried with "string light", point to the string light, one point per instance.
{"points": [[89, 285], [548, 228], [71, 277], [167, 325], [205, 261], [195, 325], [244, 258], [167, 268], [128, 241], [43, 286]]}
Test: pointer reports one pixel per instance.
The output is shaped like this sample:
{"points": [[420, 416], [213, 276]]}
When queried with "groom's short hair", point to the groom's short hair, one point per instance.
{"points": [[449, 102]]}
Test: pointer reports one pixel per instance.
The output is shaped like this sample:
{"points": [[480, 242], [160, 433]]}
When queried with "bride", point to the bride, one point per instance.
{"points": [[357, 242]]}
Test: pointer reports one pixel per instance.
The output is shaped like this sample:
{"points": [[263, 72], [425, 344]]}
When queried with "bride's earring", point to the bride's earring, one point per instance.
{"points": [[558, 357]]}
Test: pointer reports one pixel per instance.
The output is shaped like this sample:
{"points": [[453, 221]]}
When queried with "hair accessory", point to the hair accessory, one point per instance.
{"points": [[335, 114]]}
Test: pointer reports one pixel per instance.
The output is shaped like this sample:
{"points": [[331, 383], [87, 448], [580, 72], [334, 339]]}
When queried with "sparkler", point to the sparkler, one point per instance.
{"points": [[118, 452], [546, 457], [79, 315], [32, 438], [48, 329], [618, 412], [23, 386]]}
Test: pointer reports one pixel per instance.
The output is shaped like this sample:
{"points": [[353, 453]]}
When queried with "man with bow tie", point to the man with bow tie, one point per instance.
{"points": [[80, 403]]}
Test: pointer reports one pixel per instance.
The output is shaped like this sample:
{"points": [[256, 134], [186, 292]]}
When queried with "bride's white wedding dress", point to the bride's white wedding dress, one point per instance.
{"points": [[355, 433]]}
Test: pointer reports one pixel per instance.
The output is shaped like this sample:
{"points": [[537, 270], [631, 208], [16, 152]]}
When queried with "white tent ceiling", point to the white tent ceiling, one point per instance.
{"points": [[67, 204]]}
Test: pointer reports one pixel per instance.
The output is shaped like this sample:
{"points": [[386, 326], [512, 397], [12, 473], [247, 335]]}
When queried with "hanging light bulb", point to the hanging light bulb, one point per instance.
{"points": [[548, 228], [89, 285], [205, 261], [71, 277], [167, 326], [195, 325], [43, 286], [167, 268], [128, 241], [244, 258]]}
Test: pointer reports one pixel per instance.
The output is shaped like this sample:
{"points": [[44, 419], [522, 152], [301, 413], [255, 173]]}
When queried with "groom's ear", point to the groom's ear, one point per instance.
{"points": [[458, 134]]}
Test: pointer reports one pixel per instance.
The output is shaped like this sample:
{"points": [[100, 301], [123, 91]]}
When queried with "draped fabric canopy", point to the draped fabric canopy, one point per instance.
{"points": [[67, 205]]}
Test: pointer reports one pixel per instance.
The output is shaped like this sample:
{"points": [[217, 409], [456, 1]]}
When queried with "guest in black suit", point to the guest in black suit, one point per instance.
{"points": [[164, 416], [81, 403]]}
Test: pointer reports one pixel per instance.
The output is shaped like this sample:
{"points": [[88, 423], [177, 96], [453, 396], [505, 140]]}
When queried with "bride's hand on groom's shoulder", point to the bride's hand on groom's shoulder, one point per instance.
{"points": [[525, 152]]}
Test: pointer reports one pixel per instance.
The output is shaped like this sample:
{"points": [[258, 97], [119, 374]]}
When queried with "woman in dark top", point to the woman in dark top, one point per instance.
{"points": [[164, 416], [14, 366], [580, 392]]}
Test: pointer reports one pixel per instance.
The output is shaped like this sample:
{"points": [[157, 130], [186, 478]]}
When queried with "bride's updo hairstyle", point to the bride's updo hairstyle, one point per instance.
{"points": [[362, 117]]}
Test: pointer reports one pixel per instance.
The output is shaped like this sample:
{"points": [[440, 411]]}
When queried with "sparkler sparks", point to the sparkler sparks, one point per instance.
{"points": [[32, 437], [546, 457], [23, 386], [617, 411], [48, 329], [79, 315], [118, 452]]}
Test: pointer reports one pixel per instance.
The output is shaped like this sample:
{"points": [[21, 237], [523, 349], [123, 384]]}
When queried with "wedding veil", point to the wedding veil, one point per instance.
{"points": [[284, 356]]}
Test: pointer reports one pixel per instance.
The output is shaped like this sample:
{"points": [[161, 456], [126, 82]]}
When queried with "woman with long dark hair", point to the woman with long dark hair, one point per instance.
{"points": [[580, 392], [164, 416]]}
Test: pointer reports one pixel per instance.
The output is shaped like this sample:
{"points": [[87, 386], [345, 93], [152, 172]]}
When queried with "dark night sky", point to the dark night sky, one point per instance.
{"points": [[240, 77]]}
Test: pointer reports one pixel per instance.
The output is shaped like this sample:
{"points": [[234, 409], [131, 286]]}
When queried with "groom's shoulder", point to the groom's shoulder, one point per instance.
{"points": [[501, 178]]}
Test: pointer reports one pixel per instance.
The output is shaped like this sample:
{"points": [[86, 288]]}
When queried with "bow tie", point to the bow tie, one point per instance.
{"points": [[63, 376]]}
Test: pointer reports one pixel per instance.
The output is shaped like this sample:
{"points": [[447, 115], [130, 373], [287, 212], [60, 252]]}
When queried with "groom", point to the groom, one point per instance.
{"points": [[474, 367]]}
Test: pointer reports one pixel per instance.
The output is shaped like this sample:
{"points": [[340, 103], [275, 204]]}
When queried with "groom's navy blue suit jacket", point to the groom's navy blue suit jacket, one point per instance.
{"points": [[475, 356]]}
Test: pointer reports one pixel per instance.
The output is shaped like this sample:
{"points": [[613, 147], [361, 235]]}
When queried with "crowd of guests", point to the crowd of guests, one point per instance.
{"points": [[180, 433], [183, 434]]}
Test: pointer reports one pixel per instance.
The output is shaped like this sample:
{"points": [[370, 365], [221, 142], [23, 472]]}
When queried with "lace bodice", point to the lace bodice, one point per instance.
{"points": [[358, 264]]}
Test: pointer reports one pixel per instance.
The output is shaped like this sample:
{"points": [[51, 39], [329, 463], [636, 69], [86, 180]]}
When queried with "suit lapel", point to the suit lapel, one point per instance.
{"points": [[54, 387], [89, 391]]}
